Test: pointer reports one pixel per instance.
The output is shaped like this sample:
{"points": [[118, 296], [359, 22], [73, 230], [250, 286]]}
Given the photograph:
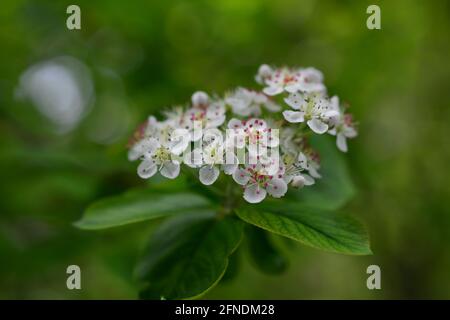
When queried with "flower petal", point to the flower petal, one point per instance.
{"points": [[170, 170], [308, 180], [200, 99], [216, 121], [254, 193], [341, 142], [272, 106], [314, 173], [317, 125], [147, 168], [235, 124], [179, 141], [298, 181], [208, 174], [294, 116], [194, 159], [240, 176], [302, 160], [295, 101], [231, 163], [276, 188], [350, 132], [272, 91], [145, 146]]}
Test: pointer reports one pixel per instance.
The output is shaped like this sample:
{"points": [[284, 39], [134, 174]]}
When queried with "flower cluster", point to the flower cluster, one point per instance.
{"points": [[259, 138]]}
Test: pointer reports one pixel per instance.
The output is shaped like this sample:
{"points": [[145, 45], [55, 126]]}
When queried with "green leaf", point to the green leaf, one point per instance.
{"points": [[234, 264], [320, 229], [140, 205], [335, 188], [263, 253], [188, 255]]}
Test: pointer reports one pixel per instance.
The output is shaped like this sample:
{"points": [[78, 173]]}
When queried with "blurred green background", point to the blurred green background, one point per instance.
{"points": [[134, 58]]}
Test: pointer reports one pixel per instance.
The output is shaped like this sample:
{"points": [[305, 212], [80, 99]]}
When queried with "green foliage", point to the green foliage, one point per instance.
{"points": [[188, 255], [149, 58], [263, 252], [139, 205], [324, 230]]}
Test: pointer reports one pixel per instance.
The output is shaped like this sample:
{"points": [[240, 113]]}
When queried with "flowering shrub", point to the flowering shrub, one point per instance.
{"points": [[240, 134], [229, 154]]}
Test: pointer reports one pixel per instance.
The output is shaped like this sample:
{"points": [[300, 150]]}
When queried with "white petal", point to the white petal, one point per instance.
{"points": [[231, 163], [334, 103], [264, 71], [293, 116], [216, 121], [292, 88], [145, 146], [350, 132], [200, 98], [272, 106], [332, 116], [229, 169], [179, 141], [276, 188], [295, 101], [241, 176], [302, 160], [333, 131], [298, 181], [288, 178], [308, 180], [313, 172], [272, 91], [235, 124], [341, 142], [208, 174], [318, 126], [194, 158], [170, 170], [256, 124], [146, 168], [196, 134], [254, 193], [273, 139]]}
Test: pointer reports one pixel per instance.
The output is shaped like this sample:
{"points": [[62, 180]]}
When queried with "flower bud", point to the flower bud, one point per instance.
{"points": [[200, 99]]}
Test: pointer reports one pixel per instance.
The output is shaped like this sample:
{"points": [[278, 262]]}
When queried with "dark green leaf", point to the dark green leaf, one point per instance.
{"points": [[140, 205], [188, 255], [234, 262], [264, 254], [317, 228], [335, 188]]}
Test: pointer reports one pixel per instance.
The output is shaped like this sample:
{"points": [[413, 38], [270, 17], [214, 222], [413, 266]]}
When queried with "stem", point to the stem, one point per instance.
{"points": [[230, 199]]}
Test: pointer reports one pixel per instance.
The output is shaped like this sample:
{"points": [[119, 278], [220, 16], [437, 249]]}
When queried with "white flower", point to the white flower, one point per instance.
{"points": [[310, 80], [294, 171], [343, 128], [200, 100], [281, 80], [264, 72], [314, 109], [157, 157], [210, 159], [269, 163], [254, 134], [204, 115], [306, 80], [258, 183], [248, 103], [164, 132]]}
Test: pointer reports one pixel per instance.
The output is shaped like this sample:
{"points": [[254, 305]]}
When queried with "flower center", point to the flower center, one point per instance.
{"points": [[161, 155]]}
